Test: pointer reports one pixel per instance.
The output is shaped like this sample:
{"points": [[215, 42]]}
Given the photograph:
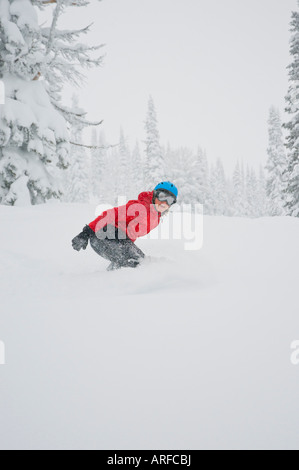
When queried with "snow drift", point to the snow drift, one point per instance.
{"points": [[189, 352]]}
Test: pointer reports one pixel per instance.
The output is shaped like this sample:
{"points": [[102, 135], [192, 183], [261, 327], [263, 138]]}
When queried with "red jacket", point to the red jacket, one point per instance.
{"points": [[137, 218]]}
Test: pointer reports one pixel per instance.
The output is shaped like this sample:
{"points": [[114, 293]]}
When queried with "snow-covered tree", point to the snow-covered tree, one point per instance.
{"points": [[99, 156], [211, 199], [276, 165], [34, 138], [78, 173], [137, 170], [124, 167], [169, 156], [65, 57], [183, 169], [111, 181], [238, 191], [202, 172], [291, 193], [154, 164], [94, 165], [262, 209], [183, 173], [251, 190], [216, 201], [230, 197]]}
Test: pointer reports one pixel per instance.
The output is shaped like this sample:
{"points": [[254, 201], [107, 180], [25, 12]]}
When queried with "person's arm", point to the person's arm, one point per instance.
{"points": [[80, 242]]}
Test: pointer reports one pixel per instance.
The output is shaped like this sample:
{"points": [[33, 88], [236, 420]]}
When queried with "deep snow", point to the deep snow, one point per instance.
{"points": [[189, 353]]}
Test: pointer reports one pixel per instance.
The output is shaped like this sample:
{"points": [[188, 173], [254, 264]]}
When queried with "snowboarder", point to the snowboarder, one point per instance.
{"points": [[113, 234]]}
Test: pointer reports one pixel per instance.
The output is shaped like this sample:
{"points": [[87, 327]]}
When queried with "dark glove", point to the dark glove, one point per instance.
{"points": [[80, 242]]}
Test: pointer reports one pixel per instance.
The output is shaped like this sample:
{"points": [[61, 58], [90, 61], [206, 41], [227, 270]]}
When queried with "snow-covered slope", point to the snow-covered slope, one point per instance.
{"points": [[188, 353]]}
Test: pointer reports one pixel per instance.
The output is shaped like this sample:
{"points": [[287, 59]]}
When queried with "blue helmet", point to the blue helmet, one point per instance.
{"points": [[168, 186]]}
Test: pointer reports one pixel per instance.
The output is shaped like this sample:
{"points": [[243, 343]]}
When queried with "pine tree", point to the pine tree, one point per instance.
{"points": [[238, 192], [183, 174], [169, 157], [98, 166], [94, 166], [230, 197], [79, 169], [211, 200], [65, 57], [251, 186], [112, 177], [202, 171], [276, 165], [102, 166], [137, 170], [124, 168], [291, 192], [34, 138], [262, 209], [220, 189], [154, 164]]}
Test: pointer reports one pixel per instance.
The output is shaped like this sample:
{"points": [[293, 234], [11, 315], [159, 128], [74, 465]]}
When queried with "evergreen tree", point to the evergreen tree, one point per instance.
{"points": [[102, 166], [112, 191], [98, 166], [183, 174], [211, 200], [251, 193], [291, 192], [220, 188], [230, 197], [202, 170], [154, 164], [238, 192], [34, 138], [276, 165], [124, 167], [170, 155], [261, 199], [79, 169], [65, 57], [137, 170], [94, 157]]}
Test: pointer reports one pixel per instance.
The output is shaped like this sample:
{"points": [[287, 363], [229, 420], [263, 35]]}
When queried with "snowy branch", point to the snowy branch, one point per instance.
{"points": [[53, 26], [72, 116], [66, 35], [95, 147], [78, 3]]}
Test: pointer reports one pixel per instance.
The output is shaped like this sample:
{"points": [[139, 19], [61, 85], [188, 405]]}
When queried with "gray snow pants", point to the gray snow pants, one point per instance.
{"points": [[114, 245]]}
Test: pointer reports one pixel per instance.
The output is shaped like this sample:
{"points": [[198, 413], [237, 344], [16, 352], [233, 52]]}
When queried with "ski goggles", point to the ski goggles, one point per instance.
{"points": [[163, 196]]}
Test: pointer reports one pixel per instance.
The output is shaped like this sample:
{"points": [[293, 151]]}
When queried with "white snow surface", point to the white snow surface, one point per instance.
{"points": [[191, 352]]}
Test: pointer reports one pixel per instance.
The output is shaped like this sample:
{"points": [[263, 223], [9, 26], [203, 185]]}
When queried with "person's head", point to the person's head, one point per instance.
{"points": [[165, 195]]}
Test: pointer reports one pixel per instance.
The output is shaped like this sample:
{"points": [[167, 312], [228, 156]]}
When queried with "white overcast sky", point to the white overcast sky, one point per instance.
{"points": [[213, 67]]}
